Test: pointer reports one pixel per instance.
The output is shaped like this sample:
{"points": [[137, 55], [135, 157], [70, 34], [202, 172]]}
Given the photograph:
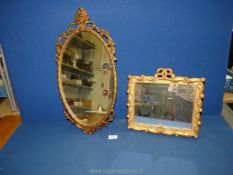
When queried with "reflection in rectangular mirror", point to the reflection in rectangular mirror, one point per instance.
{"points": [[165, 103]]}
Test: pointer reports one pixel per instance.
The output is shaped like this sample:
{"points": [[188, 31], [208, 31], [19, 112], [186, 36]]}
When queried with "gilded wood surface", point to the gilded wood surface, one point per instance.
{"points": [[166, 75], [82, 23]]}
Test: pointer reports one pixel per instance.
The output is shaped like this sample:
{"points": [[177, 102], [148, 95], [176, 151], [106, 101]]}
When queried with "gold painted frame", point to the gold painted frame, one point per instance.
{"points": [[82, 23], [165, 75]]}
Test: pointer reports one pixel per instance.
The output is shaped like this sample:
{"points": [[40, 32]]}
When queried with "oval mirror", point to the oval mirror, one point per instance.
{"points": [[86, 73]]}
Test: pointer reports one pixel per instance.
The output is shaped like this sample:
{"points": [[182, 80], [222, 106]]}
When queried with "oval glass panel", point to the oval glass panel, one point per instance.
{"points": [[87, 78], [86, 73]]}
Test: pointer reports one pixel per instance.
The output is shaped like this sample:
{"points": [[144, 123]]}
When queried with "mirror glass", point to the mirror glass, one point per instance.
{"points": [[87, 77], [164, 104]]}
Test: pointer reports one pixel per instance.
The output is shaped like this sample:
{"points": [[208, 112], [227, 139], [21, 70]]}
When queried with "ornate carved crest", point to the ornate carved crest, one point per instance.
{"points": [[165, 73], [81, 17], [83, 22]]}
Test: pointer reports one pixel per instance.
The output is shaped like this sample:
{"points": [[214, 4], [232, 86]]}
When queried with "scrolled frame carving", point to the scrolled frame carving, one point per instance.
{"points": [[82, 23], [166, 75]]}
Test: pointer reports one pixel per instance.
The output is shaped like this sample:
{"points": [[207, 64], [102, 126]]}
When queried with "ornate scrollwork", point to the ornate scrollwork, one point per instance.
{"points": [[166, 75], [82, 20], [82, 23], [81, 17]]}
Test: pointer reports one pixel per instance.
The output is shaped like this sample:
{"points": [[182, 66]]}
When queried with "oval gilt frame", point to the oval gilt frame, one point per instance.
{"points": [[82, 23]]}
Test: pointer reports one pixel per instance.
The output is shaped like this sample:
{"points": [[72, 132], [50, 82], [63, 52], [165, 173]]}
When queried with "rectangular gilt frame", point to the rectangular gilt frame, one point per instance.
{"points": [[165, 75]]}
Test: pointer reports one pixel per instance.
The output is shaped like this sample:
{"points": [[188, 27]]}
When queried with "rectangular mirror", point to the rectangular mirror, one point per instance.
{"points": [[165, 103]]}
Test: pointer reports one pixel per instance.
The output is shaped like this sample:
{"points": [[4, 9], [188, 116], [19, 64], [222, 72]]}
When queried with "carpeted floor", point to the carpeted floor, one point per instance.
{"points": [[60, 148]]}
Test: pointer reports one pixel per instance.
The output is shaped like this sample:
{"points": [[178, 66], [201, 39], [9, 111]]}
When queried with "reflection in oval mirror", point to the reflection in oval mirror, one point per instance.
{"points": [[87, 77], [87, 83]]}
